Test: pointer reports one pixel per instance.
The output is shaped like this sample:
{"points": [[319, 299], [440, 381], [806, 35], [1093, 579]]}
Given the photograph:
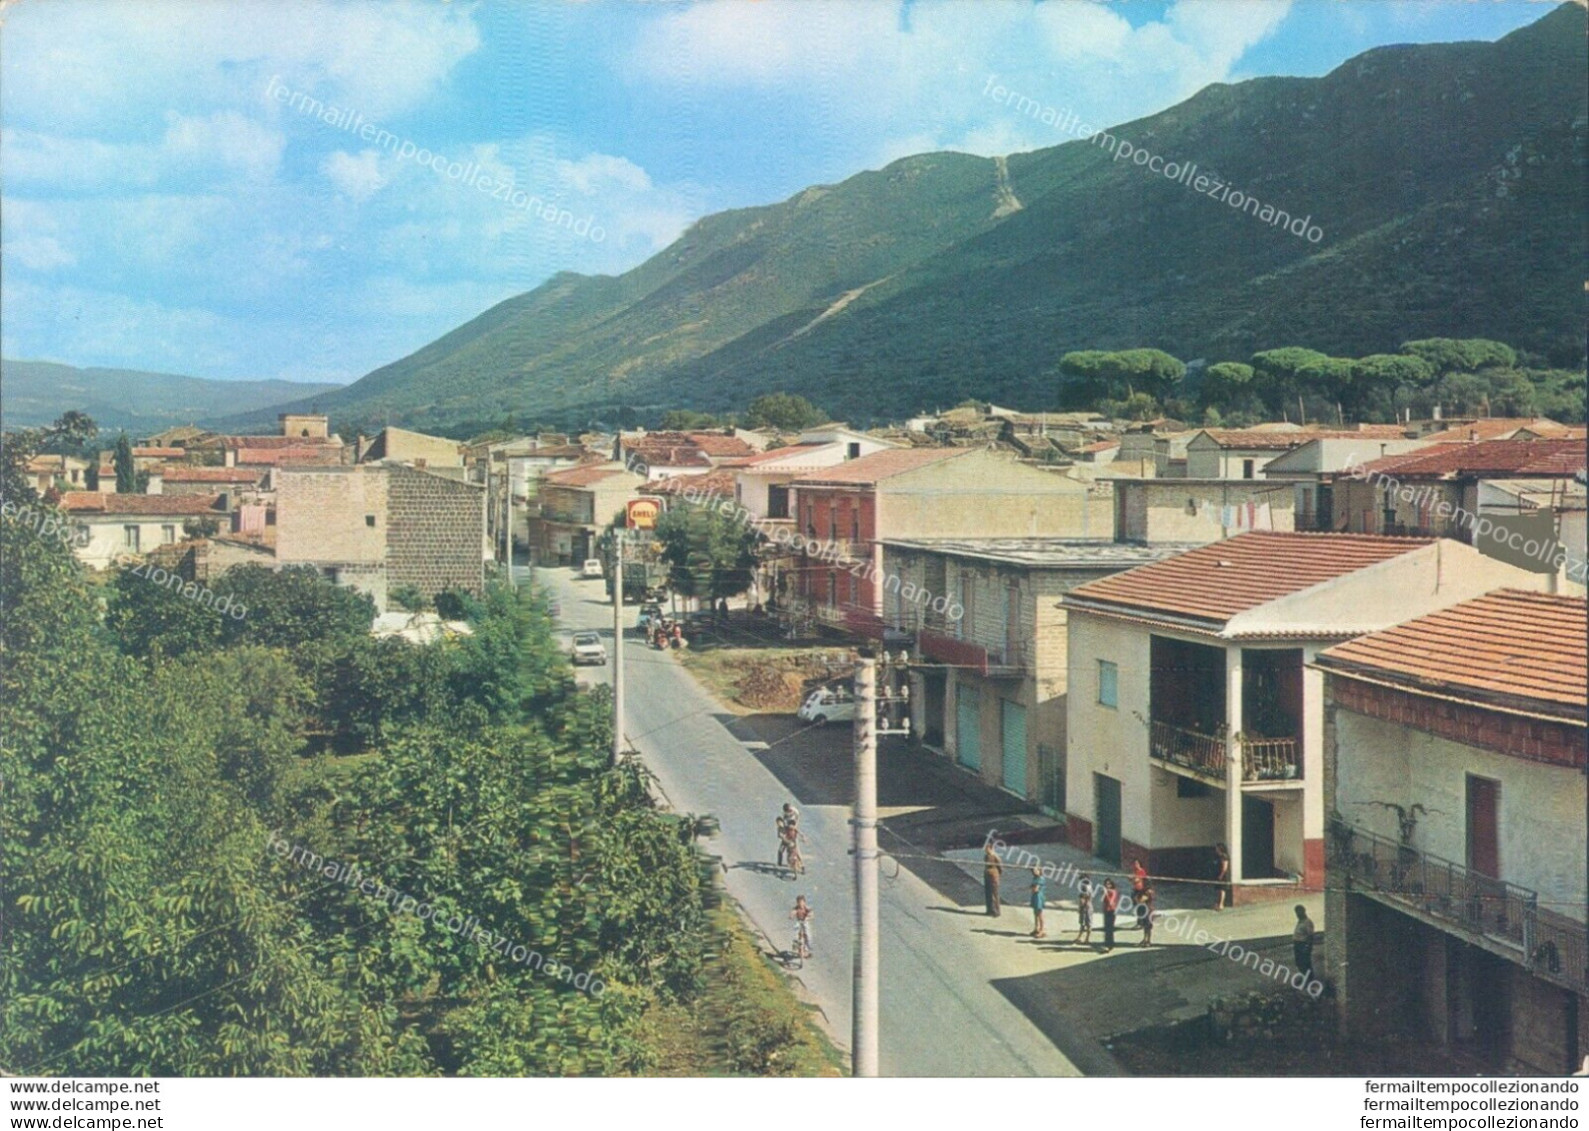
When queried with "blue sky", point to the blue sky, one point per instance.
{"points": [[169, 204]]}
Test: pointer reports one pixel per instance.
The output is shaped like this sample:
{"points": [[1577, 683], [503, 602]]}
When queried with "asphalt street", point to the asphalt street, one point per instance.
{"points": [[943, 1011]]}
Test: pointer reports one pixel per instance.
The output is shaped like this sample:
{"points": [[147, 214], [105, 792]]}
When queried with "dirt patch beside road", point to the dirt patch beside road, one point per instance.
{"points": [[764, 680]]}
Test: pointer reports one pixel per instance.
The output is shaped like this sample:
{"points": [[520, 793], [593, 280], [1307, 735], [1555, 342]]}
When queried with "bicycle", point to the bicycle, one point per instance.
{"points": [[795, 863]]}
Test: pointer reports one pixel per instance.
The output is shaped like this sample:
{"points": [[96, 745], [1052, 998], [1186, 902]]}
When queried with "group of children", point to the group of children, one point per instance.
{"points": [[1140, 904]]}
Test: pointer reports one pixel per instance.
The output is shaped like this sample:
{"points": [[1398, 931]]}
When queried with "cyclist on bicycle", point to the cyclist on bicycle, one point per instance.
{"points": [[787, 820], [802, 916]]}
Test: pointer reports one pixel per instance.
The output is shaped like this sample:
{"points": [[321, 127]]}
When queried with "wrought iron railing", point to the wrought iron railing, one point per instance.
{"points": [[1550, 945], [1271, 759], [1204, 753]]}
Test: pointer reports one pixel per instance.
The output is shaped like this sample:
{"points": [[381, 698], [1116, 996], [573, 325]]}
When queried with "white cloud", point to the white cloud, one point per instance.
{"points": [[37, 253], [76, 63], [911, 74], [356, 177]]}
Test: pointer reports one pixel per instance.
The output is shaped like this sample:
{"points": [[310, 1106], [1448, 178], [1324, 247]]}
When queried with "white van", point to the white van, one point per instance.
{"points": [[827, 705]]}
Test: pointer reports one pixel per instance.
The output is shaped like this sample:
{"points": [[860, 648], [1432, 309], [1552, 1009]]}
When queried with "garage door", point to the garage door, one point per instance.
{"points": [[1013, 729], [968, 727]]}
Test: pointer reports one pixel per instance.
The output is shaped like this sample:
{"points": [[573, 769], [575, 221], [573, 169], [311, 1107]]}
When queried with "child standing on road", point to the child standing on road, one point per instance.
{"points": [[1084, 911], [1039, 901], [1145, 915]]}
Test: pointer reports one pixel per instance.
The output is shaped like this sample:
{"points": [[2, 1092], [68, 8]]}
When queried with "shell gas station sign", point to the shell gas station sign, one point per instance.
{"points": [[642, 513]]}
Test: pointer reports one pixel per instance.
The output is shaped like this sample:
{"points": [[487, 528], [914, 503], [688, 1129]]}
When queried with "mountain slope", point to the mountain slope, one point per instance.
{"points": [[1447, 181], [37, 392]]}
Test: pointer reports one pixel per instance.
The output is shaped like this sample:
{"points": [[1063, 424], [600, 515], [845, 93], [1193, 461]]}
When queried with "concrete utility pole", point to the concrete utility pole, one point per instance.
{"points": [[617, 644], [864, 1007]]}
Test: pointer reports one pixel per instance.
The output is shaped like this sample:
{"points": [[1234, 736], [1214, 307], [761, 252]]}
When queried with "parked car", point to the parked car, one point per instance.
{"points": [[827, 705], [591, 569], [588, 649]]}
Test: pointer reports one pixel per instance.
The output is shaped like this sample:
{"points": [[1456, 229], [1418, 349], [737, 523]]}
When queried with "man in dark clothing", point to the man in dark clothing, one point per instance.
{"points": [[1302, 943], [992, 873]]}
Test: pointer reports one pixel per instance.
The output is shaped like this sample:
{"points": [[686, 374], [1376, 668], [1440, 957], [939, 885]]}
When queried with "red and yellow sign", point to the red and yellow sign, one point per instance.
{"points": [[642, 513]]}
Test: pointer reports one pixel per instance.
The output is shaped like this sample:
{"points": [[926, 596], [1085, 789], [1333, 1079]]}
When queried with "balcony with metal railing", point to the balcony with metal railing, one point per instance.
{"points": [[1503, 918], [1265, 762]]}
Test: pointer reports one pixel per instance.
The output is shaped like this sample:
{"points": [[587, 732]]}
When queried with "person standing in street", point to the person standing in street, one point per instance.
{"points": [[1302, 943], [1084, 911], [1111, 907], [1221, 874], [1145, 915], [992, 873], [1039, 901], [1139, 879]]}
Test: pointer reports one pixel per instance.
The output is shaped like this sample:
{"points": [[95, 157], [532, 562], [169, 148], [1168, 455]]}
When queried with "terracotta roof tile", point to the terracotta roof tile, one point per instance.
{"points": [[179, 474], [159, 453], [719, 483], [1217, 581], [97, 502], [1510, 647], [1260, 439], [879, 466], [1486, 457], [1500, 427], [584, 476], [276, 457]]}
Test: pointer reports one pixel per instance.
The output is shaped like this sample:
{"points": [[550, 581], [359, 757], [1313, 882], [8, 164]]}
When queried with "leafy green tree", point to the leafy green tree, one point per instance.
{"points": [[126, 472], [1461, 355], [688, 420], [291, 607], [152, 618], [786, 412], [709, 555], [409, 598]]}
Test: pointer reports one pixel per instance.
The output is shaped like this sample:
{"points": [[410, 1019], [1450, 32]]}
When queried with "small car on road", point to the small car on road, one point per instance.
{"points": [[590, 570], [828, 705], [588, 649]]}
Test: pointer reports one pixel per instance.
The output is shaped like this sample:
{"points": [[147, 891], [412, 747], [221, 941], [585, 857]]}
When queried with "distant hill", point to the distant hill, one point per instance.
{"points": [[36, 392], [1447, 180]]}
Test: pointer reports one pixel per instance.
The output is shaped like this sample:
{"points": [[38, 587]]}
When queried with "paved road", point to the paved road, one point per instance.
{"points": [[943, 1013]]}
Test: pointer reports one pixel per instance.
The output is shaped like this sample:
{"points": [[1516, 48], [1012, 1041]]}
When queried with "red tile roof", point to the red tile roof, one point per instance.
{"points": [[179, 474], [878, 466], [1547, 458], [159, 453], [266, 442], [1507, 648], [1217, 581], [1498, 427], [277, 457], [720, 483], [1262, 439], [583, 476], [776, 455], [97, 502], [716, 444]]}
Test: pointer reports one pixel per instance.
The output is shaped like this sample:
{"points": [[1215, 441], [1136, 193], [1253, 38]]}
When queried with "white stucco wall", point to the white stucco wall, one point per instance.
{"points": [[1542, 810]]}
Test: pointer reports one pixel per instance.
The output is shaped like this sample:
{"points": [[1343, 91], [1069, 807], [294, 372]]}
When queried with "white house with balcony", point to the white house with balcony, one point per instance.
{"points": [[1193, 719], [987, 636], [1458, 893]]}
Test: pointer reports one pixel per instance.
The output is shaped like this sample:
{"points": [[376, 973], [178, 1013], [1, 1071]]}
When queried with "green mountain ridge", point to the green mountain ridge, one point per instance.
{"points": [[1448, 181], [34, 393]]}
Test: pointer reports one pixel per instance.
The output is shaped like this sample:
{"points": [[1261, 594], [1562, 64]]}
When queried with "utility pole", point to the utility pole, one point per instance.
{"points": [[618, 533], [865, 962]]}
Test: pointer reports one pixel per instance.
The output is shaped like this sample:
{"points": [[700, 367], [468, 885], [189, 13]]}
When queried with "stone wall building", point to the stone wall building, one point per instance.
{"points": [[377, 527]]}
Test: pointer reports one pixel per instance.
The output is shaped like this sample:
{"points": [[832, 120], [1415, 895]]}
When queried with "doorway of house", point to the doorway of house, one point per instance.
{"points": [[1106, 805], [1257, 839]]}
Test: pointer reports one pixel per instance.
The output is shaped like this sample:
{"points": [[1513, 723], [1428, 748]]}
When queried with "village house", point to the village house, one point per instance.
{"points": [[1444, 489], [416, 449], [1192, 718], [381, 527], [844, 513], [1314, 467], [1194, 511], [1455, 754], [511, 471], [577, 504], [986, 632], [1243, 453], [1153, 452], [57, 473], [110, 527]]}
